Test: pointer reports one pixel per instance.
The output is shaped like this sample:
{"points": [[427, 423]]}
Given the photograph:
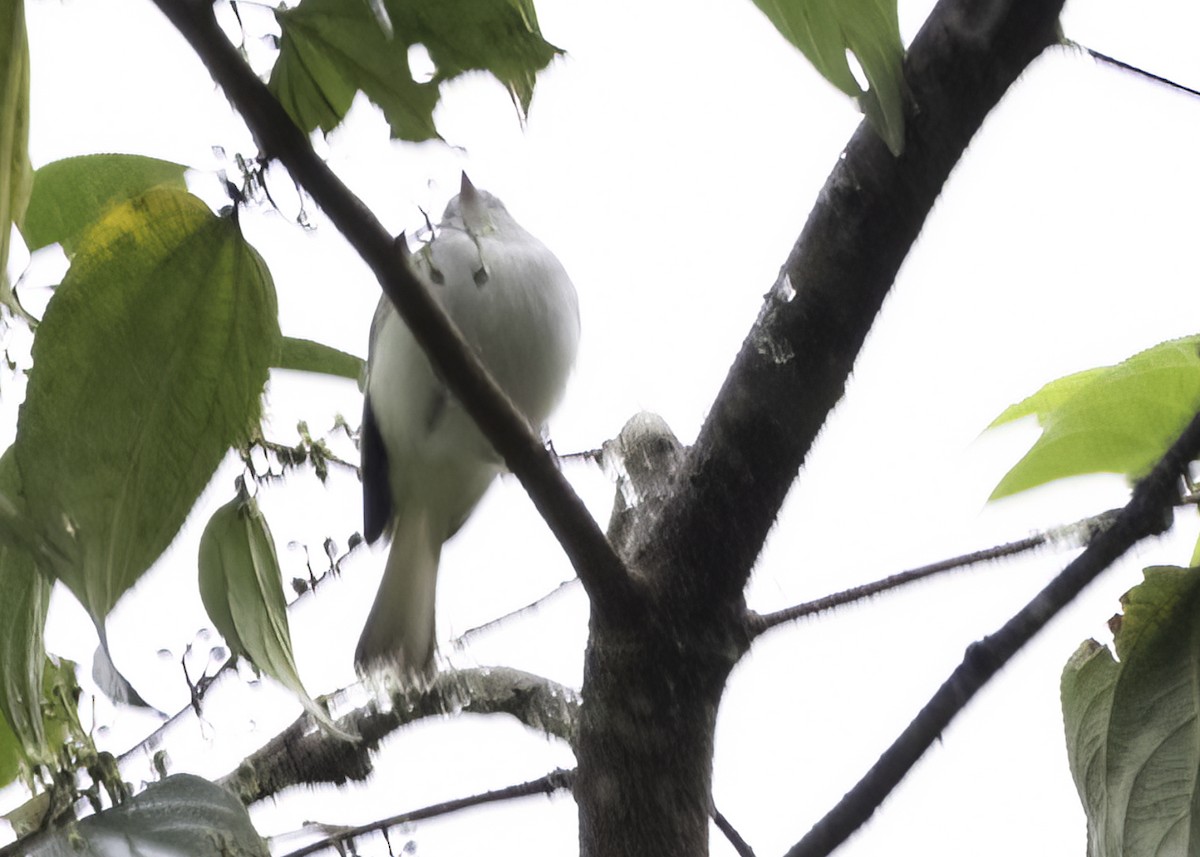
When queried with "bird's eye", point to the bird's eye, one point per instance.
{"points": [[437, 276], [481, 277]]}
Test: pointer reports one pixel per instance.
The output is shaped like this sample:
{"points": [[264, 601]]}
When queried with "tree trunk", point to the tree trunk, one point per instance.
{"points": [[654, 676]]}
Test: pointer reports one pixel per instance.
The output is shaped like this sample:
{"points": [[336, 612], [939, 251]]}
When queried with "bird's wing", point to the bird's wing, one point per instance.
{"points": [[377, 490]]}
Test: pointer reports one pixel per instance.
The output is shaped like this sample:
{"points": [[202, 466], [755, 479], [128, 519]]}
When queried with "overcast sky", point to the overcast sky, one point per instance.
{"points": [[670, 161]]}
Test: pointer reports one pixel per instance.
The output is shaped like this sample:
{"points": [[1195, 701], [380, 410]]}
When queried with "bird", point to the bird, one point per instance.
{"points": [[425, 464]]}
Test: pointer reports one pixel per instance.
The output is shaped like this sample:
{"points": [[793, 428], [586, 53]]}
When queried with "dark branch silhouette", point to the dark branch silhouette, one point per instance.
{"points": [[1148, 513], [1141, 72], [554, 781], [302, 754], [532, 607], [698, 550], [735, 839], [794, 363], [760, 623]]}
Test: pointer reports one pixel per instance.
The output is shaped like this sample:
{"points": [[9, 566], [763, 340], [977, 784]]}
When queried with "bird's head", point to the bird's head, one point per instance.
{"points": [[478, 211]]}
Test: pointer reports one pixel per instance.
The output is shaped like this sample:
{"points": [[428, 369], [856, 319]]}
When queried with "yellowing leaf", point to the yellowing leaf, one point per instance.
{"points": [[1117, 419], [1133, 725], [149, 364], [331, 49], [70, 195], [241, 586], [824, 30]]}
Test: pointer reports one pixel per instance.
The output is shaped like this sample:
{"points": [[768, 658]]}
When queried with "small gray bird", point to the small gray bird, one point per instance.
{"points": [[425, 465]]}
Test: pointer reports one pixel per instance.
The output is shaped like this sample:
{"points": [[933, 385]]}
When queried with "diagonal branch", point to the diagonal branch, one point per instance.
{"points": [[793, 366], [740, 845], [1149, 512], [1133, 69], [609, 587], [302, 754], [557, 780], [760, 623]]}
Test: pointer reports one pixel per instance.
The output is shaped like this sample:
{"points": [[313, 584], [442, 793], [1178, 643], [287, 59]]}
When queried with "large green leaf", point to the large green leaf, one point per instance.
{"points": [[241, 586], [824, 30], [1117, 419], [70, 195], [1133, 724], [332, 49], [15, 169], [182, 815], [149, 364]]}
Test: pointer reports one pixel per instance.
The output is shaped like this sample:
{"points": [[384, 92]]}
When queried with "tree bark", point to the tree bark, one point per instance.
{"points": [[653, 684]]}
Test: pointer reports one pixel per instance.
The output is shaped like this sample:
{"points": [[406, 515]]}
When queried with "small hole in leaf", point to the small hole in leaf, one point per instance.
{"points": [[420, 64], [856, 69]]}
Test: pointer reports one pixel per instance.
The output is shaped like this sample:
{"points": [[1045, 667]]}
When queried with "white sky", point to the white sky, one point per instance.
{"points": [[670, 161]]}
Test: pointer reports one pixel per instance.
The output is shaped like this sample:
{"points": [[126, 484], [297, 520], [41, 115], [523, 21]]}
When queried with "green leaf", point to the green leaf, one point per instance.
{"points": [[497, 36], [26, 597], [824, 30], [72, 194], [304, 355], [1051, 396], [1117, 419], [1133, 725], [15, 169], [241, 586], [331, 49], [149, 364], [180, 815], [11, 754], [59, 718]]}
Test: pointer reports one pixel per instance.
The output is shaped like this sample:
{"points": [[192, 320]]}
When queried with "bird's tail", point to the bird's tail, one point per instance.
{"points": [[399, 634]]}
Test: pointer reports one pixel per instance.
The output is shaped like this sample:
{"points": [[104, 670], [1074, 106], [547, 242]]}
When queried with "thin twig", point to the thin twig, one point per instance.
{"points": [[735, 839], [469, 634], [1149, 75], [759, 623], [556, 780], [198, 691], [1149, 512]]}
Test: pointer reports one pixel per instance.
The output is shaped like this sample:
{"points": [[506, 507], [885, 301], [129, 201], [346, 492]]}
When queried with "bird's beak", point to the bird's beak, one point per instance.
{"points": [[468, 189], [474, 210]]}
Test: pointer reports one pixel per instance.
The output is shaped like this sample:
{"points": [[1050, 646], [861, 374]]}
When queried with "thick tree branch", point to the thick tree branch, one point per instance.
{"points": [[1149, 512], [793, 365], [653, 689], [1087, 528], [608, 585], [303, 754], [554, 781]]}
